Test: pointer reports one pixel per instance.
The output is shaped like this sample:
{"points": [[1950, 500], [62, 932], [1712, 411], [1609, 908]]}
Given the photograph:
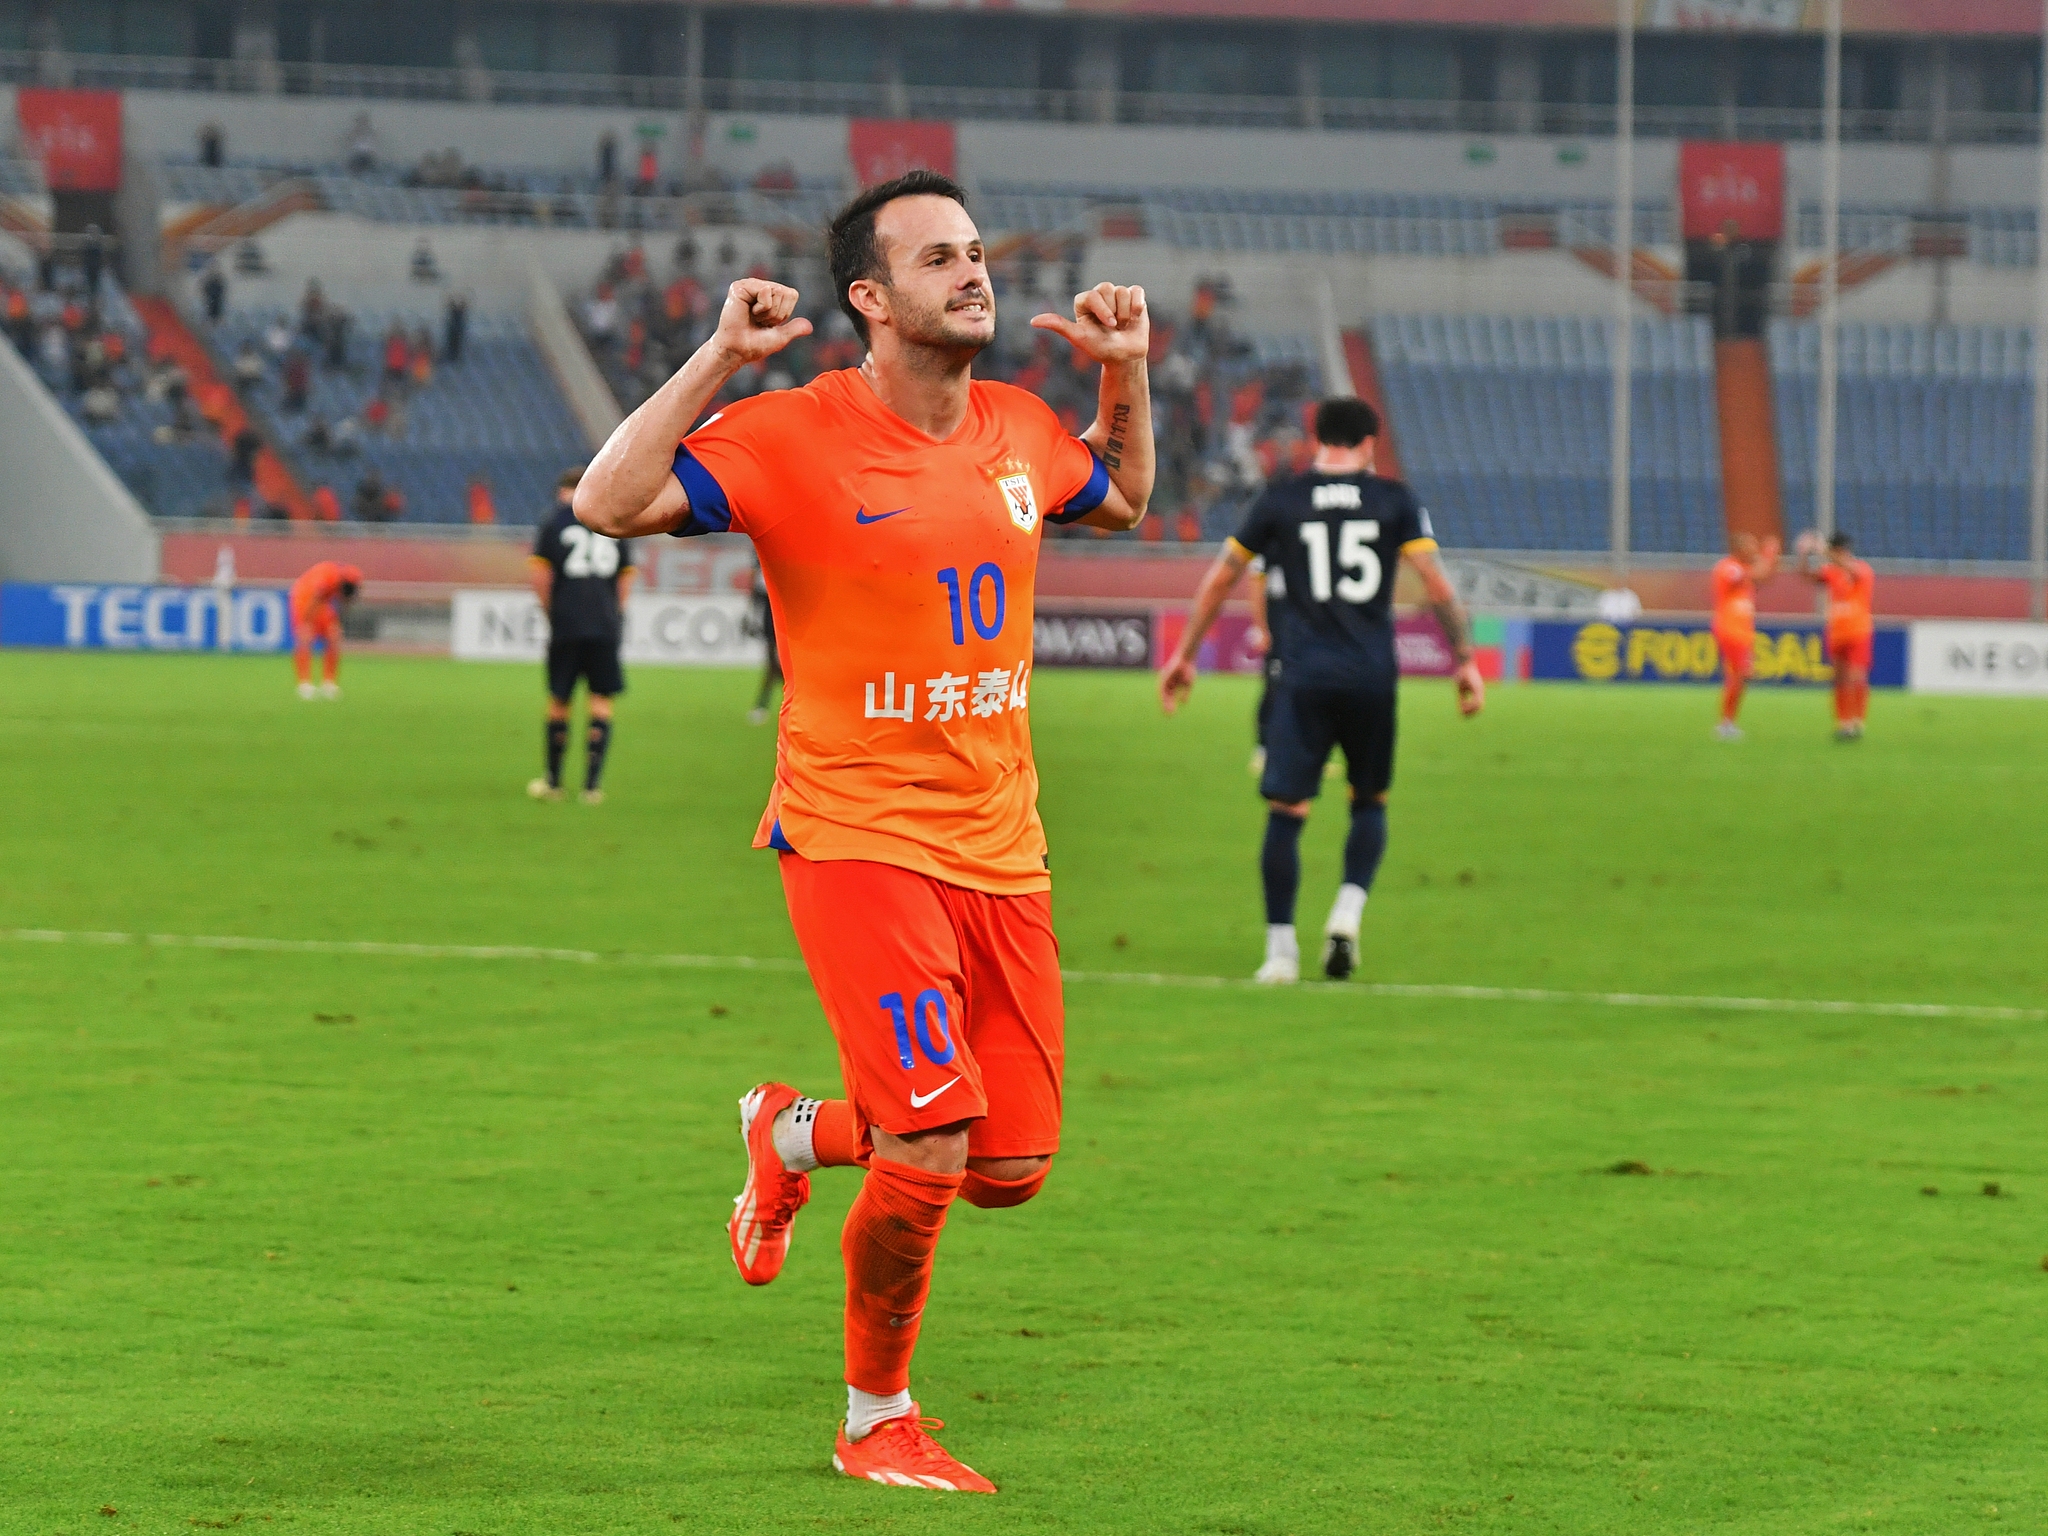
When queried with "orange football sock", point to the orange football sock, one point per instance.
{"points": [[1843, 708], [835, 1139], [1731, 698], [890, 1236], [302, 662]]}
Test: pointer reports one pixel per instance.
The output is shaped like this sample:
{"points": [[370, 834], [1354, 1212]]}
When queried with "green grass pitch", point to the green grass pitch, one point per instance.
{"points": [[368, 1244]]}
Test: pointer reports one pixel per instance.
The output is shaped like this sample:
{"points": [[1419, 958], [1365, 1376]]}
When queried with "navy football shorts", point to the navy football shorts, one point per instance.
{"points": [[595, 661], [1307, 723]]}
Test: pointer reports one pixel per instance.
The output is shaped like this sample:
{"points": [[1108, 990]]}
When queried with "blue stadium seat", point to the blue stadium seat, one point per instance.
{"points": [[1503, 427]]}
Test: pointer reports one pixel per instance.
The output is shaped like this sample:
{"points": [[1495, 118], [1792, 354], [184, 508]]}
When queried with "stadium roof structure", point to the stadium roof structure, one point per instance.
{"points": [[2009, 18]]}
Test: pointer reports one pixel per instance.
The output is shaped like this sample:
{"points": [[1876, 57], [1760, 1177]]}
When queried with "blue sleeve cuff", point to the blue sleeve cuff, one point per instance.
{"points": [[1089, 497], [709, 512]]}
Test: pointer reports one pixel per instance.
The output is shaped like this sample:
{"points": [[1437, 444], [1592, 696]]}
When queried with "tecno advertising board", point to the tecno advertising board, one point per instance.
{"points": [[708, 630], [83, 616], [1949, 657], [1785, 654]]}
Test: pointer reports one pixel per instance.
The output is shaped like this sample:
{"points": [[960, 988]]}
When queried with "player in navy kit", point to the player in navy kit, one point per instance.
{"points": [[582, 580], [1334, 539]]}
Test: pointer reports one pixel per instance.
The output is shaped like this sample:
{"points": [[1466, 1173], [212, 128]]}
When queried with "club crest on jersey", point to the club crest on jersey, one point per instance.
{"points": [[1023, 504]]}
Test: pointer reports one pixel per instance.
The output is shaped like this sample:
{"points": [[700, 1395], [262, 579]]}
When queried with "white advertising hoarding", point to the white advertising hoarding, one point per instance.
{"points": [[506, 624], [1978, 657]]}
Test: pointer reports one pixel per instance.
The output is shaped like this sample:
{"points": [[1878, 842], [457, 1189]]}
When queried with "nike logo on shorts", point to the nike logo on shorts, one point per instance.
{"points": [[863, 516], [919, 1100]]}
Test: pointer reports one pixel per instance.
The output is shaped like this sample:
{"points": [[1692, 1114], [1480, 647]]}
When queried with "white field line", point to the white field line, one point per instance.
{"points": [[1434, 992]]}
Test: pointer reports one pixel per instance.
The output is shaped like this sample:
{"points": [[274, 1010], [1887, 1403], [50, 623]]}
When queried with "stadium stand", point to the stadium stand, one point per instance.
{"points": [[1933, 436], [1504, 429], [495, 415]]}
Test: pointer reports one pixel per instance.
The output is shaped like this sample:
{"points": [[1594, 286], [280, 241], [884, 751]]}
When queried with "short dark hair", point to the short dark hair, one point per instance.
{"points": [[850, 238], [1345, 422], [1840, 540], [348, 589], [569, 478]]}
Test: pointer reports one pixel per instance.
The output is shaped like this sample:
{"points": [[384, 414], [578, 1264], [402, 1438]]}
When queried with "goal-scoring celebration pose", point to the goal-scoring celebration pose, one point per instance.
{"points": [[1749, 561], [582, 579], [897, 510], [1336, 537], [1851, 631]]}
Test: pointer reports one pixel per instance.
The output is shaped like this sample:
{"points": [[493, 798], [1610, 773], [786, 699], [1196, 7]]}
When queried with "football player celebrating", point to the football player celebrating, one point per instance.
{"points": [[1336, 536], [1851, 631], [897, 510], [1750, 560]]}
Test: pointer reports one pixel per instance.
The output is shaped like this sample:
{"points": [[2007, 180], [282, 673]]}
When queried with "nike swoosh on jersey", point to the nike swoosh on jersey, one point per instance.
{"points": [[919, 1100], [862, 515]]}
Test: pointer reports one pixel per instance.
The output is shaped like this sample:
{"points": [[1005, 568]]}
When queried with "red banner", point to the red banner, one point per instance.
{"points": [[76, 135], [1737, 190], [882, 150]]}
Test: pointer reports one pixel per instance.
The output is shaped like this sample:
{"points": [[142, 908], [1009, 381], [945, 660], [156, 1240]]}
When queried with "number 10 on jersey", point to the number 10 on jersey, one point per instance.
{"points": [[1356, 557]]}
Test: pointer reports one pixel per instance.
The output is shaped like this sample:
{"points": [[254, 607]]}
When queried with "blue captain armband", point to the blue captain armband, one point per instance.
{"points": [[709, 511], [1085, 500]]}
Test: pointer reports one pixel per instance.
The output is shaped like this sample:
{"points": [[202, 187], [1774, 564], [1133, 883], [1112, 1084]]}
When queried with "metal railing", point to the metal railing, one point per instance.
{"points": [[896, 99]]}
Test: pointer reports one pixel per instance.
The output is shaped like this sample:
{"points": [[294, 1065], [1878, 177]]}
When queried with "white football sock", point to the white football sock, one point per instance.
{"points": [[864, 1410], [1346, 910], [1281, 943], [792, 1136]]}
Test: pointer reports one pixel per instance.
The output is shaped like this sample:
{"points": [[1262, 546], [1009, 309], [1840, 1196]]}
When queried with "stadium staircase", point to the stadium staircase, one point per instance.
{"points": [[1749, 439], [275, 485]]}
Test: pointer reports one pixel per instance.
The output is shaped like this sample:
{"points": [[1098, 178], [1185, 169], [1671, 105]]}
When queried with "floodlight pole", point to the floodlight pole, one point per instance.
{"points": [[1623, 344], [2037, 537], [1830, 276]]}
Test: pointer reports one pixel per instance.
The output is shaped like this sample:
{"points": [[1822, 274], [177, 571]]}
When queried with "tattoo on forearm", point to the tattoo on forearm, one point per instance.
{"points": [[1119, 429], [1451, 615]]}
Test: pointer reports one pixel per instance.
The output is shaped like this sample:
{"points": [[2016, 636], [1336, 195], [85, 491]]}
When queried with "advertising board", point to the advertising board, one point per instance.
{"points": [[709, 630], [83, 616], [1950, 657], [1092, 640], [1786, 655]]}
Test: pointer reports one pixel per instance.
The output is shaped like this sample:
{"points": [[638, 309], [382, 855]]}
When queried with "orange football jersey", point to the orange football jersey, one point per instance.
{"points": [[1849, 592], [1734, 601], [319, 583], [901, 572]]}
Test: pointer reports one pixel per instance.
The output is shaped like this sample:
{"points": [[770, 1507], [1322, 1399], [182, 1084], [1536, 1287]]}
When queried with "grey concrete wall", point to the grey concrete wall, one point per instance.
{"points": [[64, 515]]}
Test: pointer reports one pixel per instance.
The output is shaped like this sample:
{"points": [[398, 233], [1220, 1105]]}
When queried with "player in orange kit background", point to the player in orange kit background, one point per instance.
{"points": [[1850, 628], [1735, 580], [897, 510], [318, 597]]}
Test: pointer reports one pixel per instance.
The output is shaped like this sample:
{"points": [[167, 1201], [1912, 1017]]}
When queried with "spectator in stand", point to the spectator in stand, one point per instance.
{"points": [[348, 437], [212, 146], [650, 170], [318, 439], [362, 146], [337, 338], [101, 405], [277, 337], [421, 366], [370, 502], [601, 318], [248, 367], [326, 505], [247, 444], [454, 328], [92, 258], [20, 321], [397, 356], [607, 158], [298, 380], [394, 504], [425, 269], [313, 311], [483, 511]]}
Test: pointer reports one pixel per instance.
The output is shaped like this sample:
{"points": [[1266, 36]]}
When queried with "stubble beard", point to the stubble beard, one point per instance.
{"points": [[931, 329]]}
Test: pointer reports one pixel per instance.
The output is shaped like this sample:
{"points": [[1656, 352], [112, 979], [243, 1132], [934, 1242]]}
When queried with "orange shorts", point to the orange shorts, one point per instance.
{"points": [[945, 1002], [320, 623], [1851, 651], [1735, 653]]}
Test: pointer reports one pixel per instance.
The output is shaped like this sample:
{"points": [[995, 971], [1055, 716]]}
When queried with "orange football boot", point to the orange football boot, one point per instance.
{"points": [[766, 1206], [903, 1453]]}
